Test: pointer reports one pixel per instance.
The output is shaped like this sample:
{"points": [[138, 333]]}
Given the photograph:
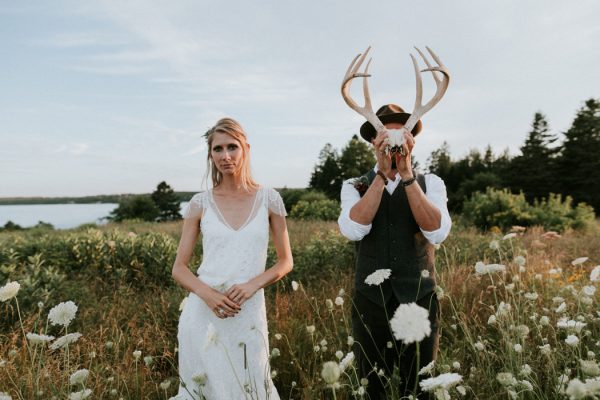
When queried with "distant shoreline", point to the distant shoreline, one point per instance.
{"points": [[103, 198]]}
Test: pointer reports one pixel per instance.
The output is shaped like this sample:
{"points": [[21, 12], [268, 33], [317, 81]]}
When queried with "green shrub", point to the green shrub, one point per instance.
{"points": [[325, 210], [503, 209]]}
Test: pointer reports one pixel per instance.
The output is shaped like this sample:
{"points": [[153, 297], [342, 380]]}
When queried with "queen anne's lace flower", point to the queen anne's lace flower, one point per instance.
{"points": [[347, 361], [595, 274], [572, 340], [65, 340], [9, 291], [483, 269], [579, 260], [331, 372], [34, 338], [79, 377], [443, 381], [63, 313], [506, 379], [410, 323], [83, 394], [377, 277]]}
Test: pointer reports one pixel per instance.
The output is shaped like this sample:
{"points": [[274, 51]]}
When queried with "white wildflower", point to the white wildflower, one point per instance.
{"points": [[310, 329], [479, 346], [9, 291], [212, 336], [428, 369], [570, 325], [148, 360], [589, 367], [494, 245], [34, 338], [483, 269], [424, 274], [525, 370], [339, 354], [323, 343], [339, 301], [517, 348], [295, 285], [456, 365], [65, 340], [347, 361], [331, 372], [531, 296], [461, 390], [595, 274], [443, 381], [577, 390], [545, 349], [522, 331], [506, 379], [410, 323], [275, 352], [579, 260], [278, 336], [199, 379], [503, 309], [377, 277], [558, 299], [509, 236], [63, 313], [526, 385], [164, 385], [329, 304], [79, 377], [572, 340], [561, 308], [83, 394], [350, 341], [520, 261], [589, 290], [491, 320]]}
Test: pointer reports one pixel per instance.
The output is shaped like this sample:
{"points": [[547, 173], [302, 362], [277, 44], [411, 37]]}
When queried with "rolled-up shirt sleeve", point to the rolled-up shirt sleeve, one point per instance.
{"points": [[436, 193], [349, 228]]}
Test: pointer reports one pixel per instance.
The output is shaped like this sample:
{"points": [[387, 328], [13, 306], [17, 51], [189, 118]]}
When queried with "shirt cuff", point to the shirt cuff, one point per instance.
{"points": [[352, 229], [439, 235]]}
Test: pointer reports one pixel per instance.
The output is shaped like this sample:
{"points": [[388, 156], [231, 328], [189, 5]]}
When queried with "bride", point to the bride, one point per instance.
{"points": [[223, 337]]}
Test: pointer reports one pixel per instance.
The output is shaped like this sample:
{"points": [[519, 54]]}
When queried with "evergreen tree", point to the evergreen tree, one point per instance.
{"points": [[167, 202], [135, 207], [326, 175], [579, 161], [357, 158], [533, 171]]}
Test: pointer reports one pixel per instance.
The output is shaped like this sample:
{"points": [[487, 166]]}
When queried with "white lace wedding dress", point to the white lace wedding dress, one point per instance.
{"points": [[228, 358]]}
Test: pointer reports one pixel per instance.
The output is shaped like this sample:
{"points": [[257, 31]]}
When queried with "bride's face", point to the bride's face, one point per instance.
{"points": [[227, 153]]}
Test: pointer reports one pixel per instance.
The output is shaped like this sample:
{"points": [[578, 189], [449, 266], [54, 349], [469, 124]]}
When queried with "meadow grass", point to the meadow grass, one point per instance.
{"points": [[529, 331]]}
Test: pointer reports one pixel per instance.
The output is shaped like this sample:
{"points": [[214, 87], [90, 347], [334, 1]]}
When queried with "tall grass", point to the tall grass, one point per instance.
{"points": [[502, 331]]}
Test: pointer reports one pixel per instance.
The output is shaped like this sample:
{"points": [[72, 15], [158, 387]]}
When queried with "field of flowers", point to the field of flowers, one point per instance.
{"points": [[92, 313]]}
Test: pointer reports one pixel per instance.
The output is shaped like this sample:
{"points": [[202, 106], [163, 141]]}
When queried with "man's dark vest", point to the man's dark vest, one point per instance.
{"points": [[395, 242]]}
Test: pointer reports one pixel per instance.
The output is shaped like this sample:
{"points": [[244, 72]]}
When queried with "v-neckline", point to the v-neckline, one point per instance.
{"points": [[222, 218]]}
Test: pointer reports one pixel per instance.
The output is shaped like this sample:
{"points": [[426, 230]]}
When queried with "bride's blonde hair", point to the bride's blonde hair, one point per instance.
{"points": [[232, 128]]}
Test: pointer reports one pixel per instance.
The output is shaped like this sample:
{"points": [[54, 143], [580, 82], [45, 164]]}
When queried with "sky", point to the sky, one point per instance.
{"points": [[106, 97]]}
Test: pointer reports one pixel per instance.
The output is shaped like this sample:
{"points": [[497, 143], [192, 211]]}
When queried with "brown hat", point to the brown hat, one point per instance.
{"points": [[388, 113]]}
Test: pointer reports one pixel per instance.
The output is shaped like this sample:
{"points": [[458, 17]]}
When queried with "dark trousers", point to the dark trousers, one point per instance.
{"points": [[372, 332]]}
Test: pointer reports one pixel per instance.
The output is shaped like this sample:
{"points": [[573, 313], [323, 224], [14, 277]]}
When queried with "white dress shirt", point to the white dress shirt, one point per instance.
{"points": [[436, 193]]}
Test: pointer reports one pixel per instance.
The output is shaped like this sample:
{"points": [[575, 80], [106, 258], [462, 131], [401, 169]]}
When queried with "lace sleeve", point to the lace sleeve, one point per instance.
{"points": [[195, 207], [275, 203]]}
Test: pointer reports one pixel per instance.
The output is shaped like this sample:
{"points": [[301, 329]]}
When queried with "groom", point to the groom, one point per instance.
{"points": [[396, 216]]}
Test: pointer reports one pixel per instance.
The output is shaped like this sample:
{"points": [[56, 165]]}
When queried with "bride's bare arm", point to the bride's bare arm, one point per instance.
{"points": [[186, 278], [242, 292]]}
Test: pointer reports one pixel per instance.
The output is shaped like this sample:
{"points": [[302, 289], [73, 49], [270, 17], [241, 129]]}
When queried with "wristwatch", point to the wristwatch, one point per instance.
{"points": [[408, 182]]}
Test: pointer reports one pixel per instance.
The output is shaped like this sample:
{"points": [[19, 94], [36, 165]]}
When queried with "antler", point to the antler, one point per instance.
{"points": [[352, 72], [442, 85]]}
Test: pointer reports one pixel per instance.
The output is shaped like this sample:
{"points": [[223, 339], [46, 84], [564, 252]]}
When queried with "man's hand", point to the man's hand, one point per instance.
{"points": [[384, 159], [404, 161]]}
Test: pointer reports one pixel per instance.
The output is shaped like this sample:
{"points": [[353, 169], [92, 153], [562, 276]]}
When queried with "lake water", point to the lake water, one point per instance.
{"points": [[61, 216]]}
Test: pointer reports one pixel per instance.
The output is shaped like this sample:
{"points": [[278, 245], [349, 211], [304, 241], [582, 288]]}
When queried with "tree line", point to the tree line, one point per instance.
{"points": [[567, 164]]}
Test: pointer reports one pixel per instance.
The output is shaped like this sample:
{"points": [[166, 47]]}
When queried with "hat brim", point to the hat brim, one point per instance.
{"points": [[367, 131]]}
